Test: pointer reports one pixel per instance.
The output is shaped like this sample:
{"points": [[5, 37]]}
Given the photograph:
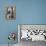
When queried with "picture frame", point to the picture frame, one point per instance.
{"points": [[11, 13]]}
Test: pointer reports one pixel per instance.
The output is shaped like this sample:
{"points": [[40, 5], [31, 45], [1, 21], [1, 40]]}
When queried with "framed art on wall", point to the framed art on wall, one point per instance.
{"points": [[11, 13]]}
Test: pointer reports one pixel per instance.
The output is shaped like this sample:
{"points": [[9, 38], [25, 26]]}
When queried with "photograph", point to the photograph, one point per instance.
{"points": [[11, 13]]}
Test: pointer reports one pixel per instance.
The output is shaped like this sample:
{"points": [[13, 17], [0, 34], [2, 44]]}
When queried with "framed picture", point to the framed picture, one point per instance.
{"points": [[11, 13], [32, 32]]}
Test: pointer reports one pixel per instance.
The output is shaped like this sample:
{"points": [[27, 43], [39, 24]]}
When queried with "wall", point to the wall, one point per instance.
{"points": [[31, 11], [6, 26]]}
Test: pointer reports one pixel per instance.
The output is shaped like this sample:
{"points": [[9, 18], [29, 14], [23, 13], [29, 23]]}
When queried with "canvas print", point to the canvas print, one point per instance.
{"points": [[31, 33], [11, 13]]}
